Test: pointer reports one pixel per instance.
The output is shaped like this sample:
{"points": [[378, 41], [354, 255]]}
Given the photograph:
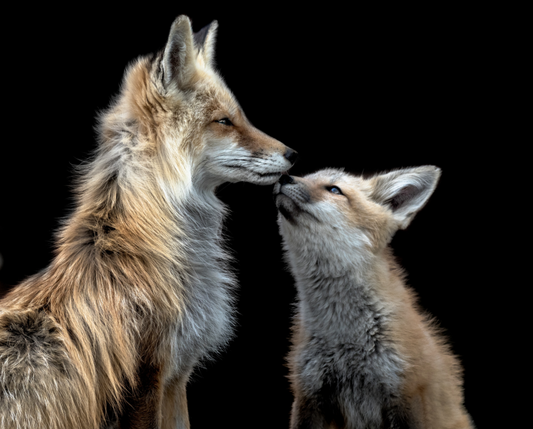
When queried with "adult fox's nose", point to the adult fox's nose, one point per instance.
{"points": [[285, 179], [291, 155]]}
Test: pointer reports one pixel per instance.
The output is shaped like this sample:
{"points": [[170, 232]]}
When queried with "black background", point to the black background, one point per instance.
{"points": [[368, 90]]}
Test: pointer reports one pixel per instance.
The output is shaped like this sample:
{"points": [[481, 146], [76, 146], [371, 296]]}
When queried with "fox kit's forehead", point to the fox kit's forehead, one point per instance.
{"points": [[348, 183]]}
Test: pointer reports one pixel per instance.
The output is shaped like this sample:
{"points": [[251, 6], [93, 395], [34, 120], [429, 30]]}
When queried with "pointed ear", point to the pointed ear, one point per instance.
{"points": [[205, 42], [179, 57], [405, 191]]}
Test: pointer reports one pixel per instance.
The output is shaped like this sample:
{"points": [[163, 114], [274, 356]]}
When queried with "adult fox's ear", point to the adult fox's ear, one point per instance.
{"points": [[405, 191], [205, 43], [179, 56]]}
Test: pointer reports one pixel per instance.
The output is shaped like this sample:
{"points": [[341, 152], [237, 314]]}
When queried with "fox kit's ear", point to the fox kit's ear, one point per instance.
{"points": [[405, 191], [179, 57], [205, 42]]}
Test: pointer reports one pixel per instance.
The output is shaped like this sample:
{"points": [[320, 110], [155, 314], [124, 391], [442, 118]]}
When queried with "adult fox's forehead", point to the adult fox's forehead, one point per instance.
{"points": [[215, 98]]}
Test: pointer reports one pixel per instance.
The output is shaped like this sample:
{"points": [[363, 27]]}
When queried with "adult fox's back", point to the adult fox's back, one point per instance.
{"points": [[139, 290]]}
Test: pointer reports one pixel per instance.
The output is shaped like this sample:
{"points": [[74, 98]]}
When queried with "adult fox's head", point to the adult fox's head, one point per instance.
{"points": [[176, 109], [338, 213]]}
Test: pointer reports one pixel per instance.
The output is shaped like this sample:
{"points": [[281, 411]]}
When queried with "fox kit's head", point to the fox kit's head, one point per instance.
{"points": [[175, 107], [334, 213]]}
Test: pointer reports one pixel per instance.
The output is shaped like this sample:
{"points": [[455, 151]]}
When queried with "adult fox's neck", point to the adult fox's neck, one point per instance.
{"points": [[139, 228]]}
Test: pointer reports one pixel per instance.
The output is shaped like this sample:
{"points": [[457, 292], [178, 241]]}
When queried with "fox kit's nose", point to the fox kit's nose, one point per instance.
{"points": [[285, 178], [291, 155]]}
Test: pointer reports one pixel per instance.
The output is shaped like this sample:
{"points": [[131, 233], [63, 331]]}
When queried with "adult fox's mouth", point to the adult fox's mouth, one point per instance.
{"points": [[264, 177]]}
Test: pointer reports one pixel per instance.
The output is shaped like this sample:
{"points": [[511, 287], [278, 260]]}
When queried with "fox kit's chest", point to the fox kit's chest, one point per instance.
{"points": [[345, 328]]}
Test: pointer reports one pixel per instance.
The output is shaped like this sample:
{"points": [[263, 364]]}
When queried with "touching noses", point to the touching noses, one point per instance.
{"points": [[285, 179], [291, 155]]}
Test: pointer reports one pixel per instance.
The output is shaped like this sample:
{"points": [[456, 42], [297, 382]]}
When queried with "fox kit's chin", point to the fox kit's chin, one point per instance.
{"points": [[293, 201]]}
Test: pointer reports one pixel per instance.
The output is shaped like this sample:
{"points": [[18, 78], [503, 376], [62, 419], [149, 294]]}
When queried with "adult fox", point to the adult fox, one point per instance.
{"points": [[139, 290], [363, 355]]}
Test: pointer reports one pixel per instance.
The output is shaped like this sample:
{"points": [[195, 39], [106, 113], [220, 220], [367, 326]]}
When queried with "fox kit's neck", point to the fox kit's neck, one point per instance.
{"points": [[337, 292], [345, 320], [338, 309]]}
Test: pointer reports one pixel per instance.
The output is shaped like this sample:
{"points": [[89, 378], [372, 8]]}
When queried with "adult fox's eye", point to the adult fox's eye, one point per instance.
{"points": [[225, 121], [334, 190]]}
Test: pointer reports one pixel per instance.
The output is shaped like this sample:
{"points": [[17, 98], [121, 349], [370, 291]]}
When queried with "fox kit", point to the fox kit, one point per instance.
{"points": [[363, 355], [139, 290]]}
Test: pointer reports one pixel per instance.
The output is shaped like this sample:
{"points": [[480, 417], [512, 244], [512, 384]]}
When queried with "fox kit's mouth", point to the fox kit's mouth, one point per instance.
{"points": [[287, 207], [293, 200]]}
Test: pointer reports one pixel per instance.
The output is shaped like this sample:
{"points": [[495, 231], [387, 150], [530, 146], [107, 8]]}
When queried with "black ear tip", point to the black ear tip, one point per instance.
{"points": [[200, 36]]}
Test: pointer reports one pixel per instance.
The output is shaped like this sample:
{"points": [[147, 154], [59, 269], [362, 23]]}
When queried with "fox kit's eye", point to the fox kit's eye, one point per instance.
{"points": [[224, 121], [334, 190]]}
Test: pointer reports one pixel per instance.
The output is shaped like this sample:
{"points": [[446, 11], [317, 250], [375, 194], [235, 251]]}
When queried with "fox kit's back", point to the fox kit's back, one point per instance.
{"points": [[362, 355]]}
